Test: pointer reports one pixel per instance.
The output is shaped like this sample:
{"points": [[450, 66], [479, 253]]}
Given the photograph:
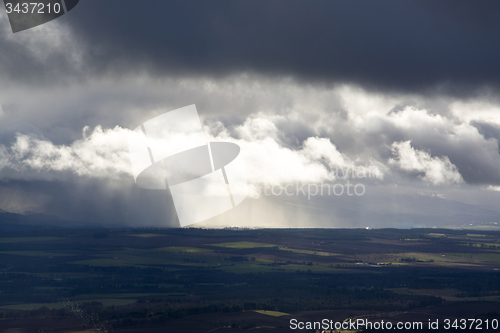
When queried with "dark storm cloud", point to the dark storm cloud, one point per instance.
{"points": [[488, 130], [409, 45]]}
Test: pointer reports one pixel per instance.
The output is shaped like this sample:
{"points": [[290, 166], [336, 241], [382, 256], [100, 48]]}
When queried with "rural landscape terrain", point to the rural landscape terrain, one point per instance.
{"points": [[237, 280]]}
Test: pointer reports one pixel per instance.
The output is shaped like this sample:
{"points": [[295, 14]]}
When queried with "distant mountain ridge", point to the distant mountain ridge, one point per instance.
{"points": [[19, 222]]}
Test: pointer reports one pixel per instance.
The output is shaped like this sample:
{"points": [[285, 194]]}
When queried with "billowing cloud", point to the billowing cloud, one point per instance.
{"points": [[475, 156], [103, 153], [308, 134], [271, 161], [435, 170]]}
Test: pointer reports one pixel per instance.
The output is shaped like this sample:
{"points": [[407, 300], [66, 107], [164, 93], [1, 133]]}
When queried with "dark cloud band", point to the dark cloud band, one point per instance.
{"points": [[405, 45]]}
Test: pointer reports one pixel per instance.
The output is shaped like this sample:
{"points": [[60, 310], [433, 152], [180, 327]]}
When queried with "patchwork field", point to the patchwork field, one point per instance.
{"points": [[242, 245], [272, 313], [238, 280]]}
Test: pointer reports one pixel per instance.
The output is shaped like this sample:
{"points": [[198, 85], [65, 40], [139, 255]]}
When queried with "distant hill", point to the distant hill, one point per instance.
{"points": [[19, 222]]}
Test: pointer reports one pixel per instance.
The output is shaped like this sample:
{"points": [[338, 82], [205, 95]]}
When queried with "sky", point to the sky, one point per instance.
{"points": [[398, 100]]}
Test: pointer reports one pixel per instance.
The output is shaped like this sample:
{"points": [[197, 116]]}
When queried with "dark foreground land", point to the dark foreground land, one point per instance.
{"points": [[194, 280]]}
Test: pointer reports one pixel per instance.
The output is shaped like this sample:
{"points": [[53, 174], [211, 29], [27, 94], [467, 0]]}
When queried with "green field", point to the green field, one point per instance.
{"points": [[32, 306], [482, 245], [83, 297], [444, 259], [181, 249], [447, 294], [250, 267], [104, 262], [145, 235], [35, 254], [313, 269], [315, 253], [27, 239], [272, 313], [431, 292], [491, 257], [242, 245], [245, 268], [143, 259]]}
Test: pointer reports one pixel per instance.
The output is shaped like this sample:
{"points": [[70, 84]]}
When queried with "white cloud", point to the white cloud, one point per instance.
{"points": [[360, 102], [493, 188], [270, 161], [104, 153], [101, 154], [476, 110], [288, 131], [435, 170]]}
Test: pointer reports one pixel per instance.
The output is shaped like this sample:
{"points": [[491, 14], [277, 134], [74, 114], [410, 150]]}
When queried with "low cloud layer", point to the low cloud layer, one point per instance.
{"points": [[101, 154], [435, 170], [289, 133], [104, 154]]}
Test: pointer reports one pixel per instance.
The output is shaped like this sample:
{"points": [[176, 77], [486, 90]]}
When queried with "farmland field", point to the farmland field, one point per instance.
{"points": [[242, 245], [238, 280]]}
